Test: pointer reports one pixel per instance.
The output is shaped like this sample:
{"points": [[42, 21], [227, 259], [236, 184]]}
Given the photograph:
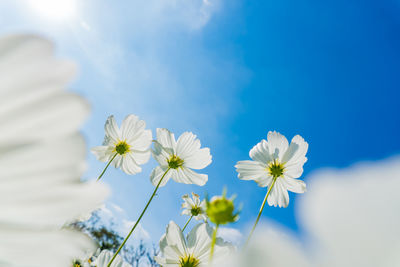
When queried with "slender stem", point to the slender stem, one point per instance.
{"points": [[214, 240], [261, 210], [138, 220], [184, 227], [108, 164]]}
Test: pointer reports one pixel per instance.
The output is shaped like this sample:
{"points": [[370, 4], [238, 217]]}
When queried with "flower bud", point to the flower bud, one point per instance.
{"points": [[221, 210]]}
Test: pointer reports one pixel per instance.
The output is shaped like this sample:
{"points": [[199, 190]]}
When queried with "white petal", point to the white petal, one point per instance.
{"points": [[199, 239], [142, 141], [58, 115], [293, 170], [45, 247], [283, 196], [160, 154], [187, 144], [140, 157], [273, 197], [260, 152], [166, 138], [253, 170], [156, 175], [199, 159], [294, 185], [118, 161], [277, 145], [175, 238], [103, 153], [104, 258], [129, 165], [130, 126], [112, 129], [187, 176], [296, 153], [188, 148]]}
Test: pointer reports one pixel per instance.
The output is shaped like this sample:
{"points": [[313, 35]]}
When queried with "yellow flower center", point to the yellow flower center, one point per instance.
{"points": [[276, 169], [122, 148], [195, 210], [175, 162], [188, 261]]}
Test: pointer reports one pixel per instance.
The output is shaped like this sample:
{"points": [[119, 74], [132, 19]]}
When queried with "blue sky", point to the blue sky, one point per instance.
{"points": [[230, 71]]}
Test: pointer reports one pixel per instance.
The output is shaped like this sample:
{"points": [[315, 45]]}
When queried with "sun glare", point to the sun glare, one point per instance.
{"points": [[54, 9]]}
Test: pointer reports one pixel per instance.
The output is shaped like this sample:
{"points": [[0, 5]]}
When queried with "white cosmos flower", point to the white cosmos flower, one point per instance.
{"points": [[276, 159], [194, 207], [180, 157], [127, 147], [104, 258], [194, 251], [42, 157]]}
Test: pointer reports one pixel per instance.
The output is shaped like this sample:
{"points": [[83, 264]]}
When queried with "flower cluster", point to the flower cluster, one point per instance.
{"points": [[275, 164]]}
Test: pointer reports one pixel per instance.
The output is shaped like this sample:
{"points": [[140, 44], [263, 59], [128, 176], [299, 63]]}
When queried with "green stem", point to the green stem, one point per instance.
{"points": [[261, 210], [184, 227], [214, 240], [108, 164], [138, 220]]}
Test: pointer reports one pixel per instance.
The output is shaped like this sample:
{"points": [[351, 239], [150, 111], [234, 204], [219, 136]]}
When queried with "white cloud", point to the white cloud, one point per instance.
{"points": [[115, 217], [140, 233]]}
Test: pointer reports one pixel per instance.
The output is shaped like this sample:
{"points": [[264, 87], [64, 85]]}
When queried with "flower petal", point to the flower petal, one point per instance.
{"points": [[156, 175], [166, 138], [251, 170], [296, 153], [260, 152], [199, 240], [283, 196], [103, 153], [112, 129], [273, 196], [175, 239], [188, 148], [141, 142], [129, 165], [187, 176], [277, 145], [140, 157], [294, 185], [130, 127]]}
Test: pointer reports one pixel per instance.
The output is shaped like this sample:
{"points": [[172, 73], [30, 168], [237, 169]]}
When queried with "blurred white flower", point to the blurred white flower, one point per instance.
{"points": [[104, 258], [272, 246], [350, 218], [352, 215], [126, 148], [276, 163], [193, 251], [42, 157], [194, 207], [179, 157]]}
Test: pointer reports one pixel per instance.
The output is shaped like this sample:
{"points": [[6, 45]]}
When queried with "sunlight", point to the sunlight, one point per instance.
{"points": [[55, 10]]}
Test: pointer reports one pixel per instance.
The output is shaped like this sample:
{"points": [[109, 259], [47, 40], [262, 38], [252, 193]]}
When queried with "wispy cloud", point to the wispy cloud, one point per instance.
{"points": [[115, 217]]}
